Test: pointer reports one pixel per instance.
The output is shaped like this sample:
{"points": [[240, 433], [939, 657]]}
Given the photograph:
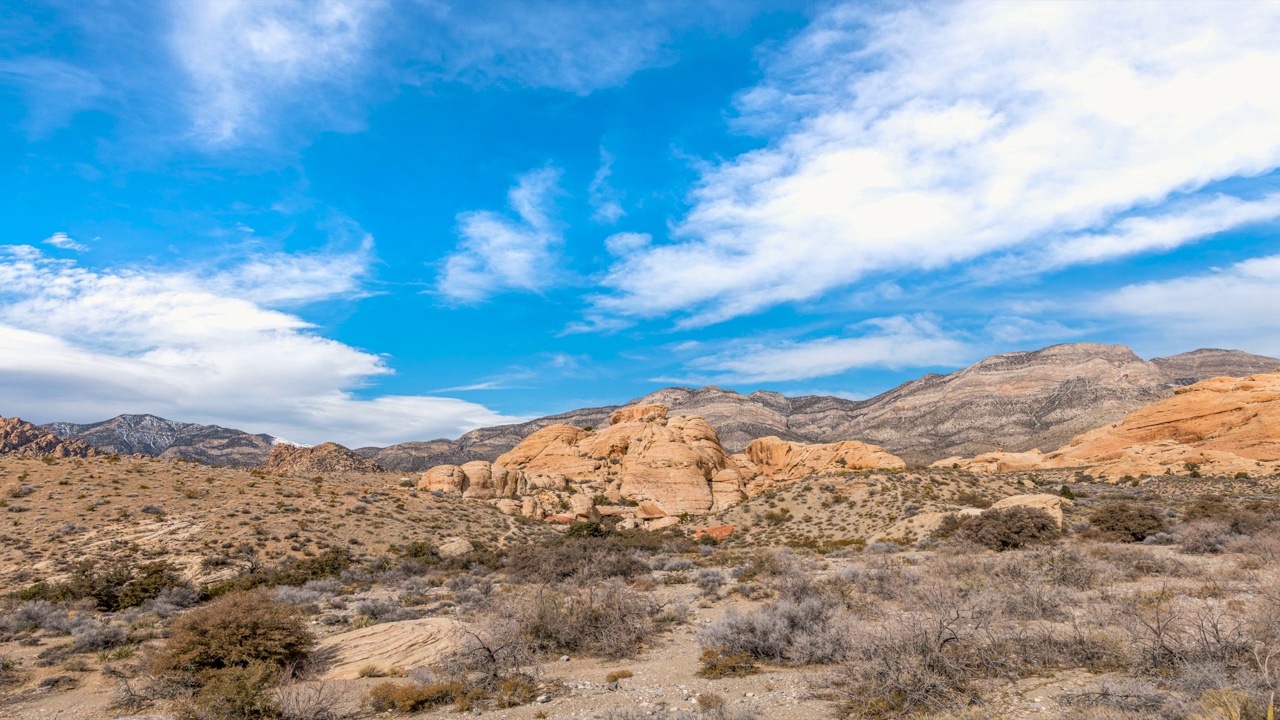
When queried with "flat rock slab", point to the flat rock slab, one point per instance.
{"points": [[406, 644]]}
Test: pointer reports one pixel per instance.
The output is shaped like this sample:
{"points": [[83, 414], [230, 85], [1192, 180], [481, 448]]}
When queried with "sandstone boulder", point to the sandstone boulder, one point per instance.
{"points": [[454, 547], [22, 438]]}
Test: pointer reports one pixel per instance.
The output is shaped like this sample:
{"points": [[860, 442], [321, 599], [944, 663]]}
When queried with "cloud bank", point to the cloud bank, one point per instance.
{"points": [[83, 345]]}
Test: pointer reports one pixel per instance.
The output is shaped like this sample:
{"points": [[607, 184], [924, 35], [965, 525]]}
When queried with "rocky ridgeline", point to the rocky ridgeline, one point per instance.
{"points": [[325, 458], [646, 467], [22, 438], [169, 439], [1221, 426], [1011, 402]]}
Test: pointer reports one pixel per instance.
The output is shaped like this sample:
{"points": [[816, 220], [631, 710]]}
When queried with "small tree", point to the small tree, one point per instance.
{"points": [[1011, 528]]}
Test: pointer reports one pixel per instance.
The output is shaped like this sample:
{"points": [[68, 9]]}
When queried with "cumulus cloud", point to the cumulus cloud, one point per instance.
{"points": [[499, 254], [917, 139], [1228, 307], [244, 56], [81, 345], [893, 342]]}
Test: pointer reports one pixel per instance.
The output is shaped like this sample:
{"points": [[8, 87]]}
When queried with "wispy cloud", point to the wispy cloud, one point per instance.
{"points": [[1227, 307], [605, 200], [245, 58], [55, 90], [893, 342], [499, 254], [918, 139], [63, 241], [79, 344]]}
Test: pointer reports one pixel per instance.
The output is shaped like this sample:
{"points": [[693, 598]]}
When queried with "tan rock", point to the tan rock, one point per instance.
{"points": [[638, 413], [405, 644], [783, 460], [661, 523], [323, 458], [1051, 504], [508, 506], [584, 507], [443, 478], [454, 547], [18, 437], [530, 507]]}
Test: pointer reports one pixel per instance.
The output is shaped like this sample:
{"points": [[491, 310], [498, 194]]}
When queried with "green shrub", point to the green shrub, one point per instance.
{"points": [[1011, 528], [586, 530], [1122, 521], [113, 586]]}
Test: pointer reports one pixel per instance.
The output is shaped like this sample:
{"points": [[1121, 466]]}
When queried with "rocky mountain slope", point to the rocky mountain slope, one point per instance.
{"points": [[324, 458], [1221, 426], [24, 439], [158, 437], [1014, 402]]}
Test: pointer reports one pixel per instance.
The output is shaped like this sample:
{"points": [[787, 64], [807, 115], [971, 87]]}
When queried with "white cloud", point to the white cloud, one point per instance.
{"points": [[893, 342], [498, 254], [244, 56], [1229, 307], [81, 345], [604, 198], [926, 137], [63, 241]]}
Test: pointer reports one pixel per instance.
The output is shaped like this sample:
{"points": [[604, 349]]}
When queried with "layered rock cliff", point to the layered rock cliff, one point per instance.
{"points": [[1220, 426]]}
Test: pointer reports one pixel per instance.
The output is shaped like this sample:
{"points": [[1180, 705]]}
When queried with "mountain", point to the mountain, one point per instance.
{"points": [[1014, 401], [1221, 426], [22, 438], [155, 436]]}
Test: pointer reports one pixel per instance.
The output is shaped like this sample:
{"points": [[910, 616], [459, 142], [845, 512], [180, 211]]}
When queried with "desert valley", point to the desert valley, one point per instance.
{"points": [[1073, 532]]}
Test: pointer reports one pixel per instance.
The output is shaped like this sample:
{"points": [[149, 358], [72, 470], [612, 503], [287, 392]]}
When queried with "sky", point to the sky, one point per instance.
{"points": [[375, 221]]}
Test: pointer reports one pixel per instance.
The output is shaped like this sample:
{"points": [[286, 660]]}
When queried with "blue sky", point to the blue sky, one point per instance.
{"points": [[377, 221]]}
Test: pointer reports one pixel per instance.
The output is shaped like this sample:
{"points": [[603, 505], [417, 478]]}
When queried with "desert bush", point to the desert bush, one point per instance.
{"points": [[99, 636], [1122, 521], [311, 701], [586, 530], [808, 631], [720, 663], [414, 697], [1204, 537], [1010, 528], [709, 580], [9, 671], [581, 560], [234, 631], [113, 586], [235, 693], [171, 601], [609, 620]]}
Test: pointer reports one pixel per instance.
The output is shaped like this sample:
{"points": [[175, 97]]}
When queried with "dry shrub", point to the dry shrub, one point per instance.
{"points": [[1010, 528], [582, 560], [515, 691], [312, 701], [236, 630], [1121, 521], [609, 620], [1204, 537], [235, 693], [720, 663], [617, 675], [807, 631], [413, 697]]}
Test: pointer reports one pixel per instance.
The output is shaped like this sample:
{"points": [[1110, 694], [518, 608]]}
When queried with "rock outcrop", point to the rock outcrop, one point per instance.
{"points": [[1013, 402], [1220, 426], [774, 459], [22, 438], [648, 467], [670, 465], [158, 437], [324, 458]]}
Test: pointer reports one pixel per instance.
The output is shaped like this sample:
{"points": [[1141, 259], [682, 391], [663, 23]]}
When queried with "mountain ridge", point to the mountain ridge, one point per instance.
{"points": [[1013, 402]]}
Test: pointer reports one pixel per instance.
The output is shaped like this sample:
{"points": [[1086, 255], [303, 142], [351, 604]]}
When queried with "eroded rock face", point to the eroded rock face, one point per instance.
{"points": [[323, 458], [158, 437], [778, 459], [1224, 425], [18, 437]]}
